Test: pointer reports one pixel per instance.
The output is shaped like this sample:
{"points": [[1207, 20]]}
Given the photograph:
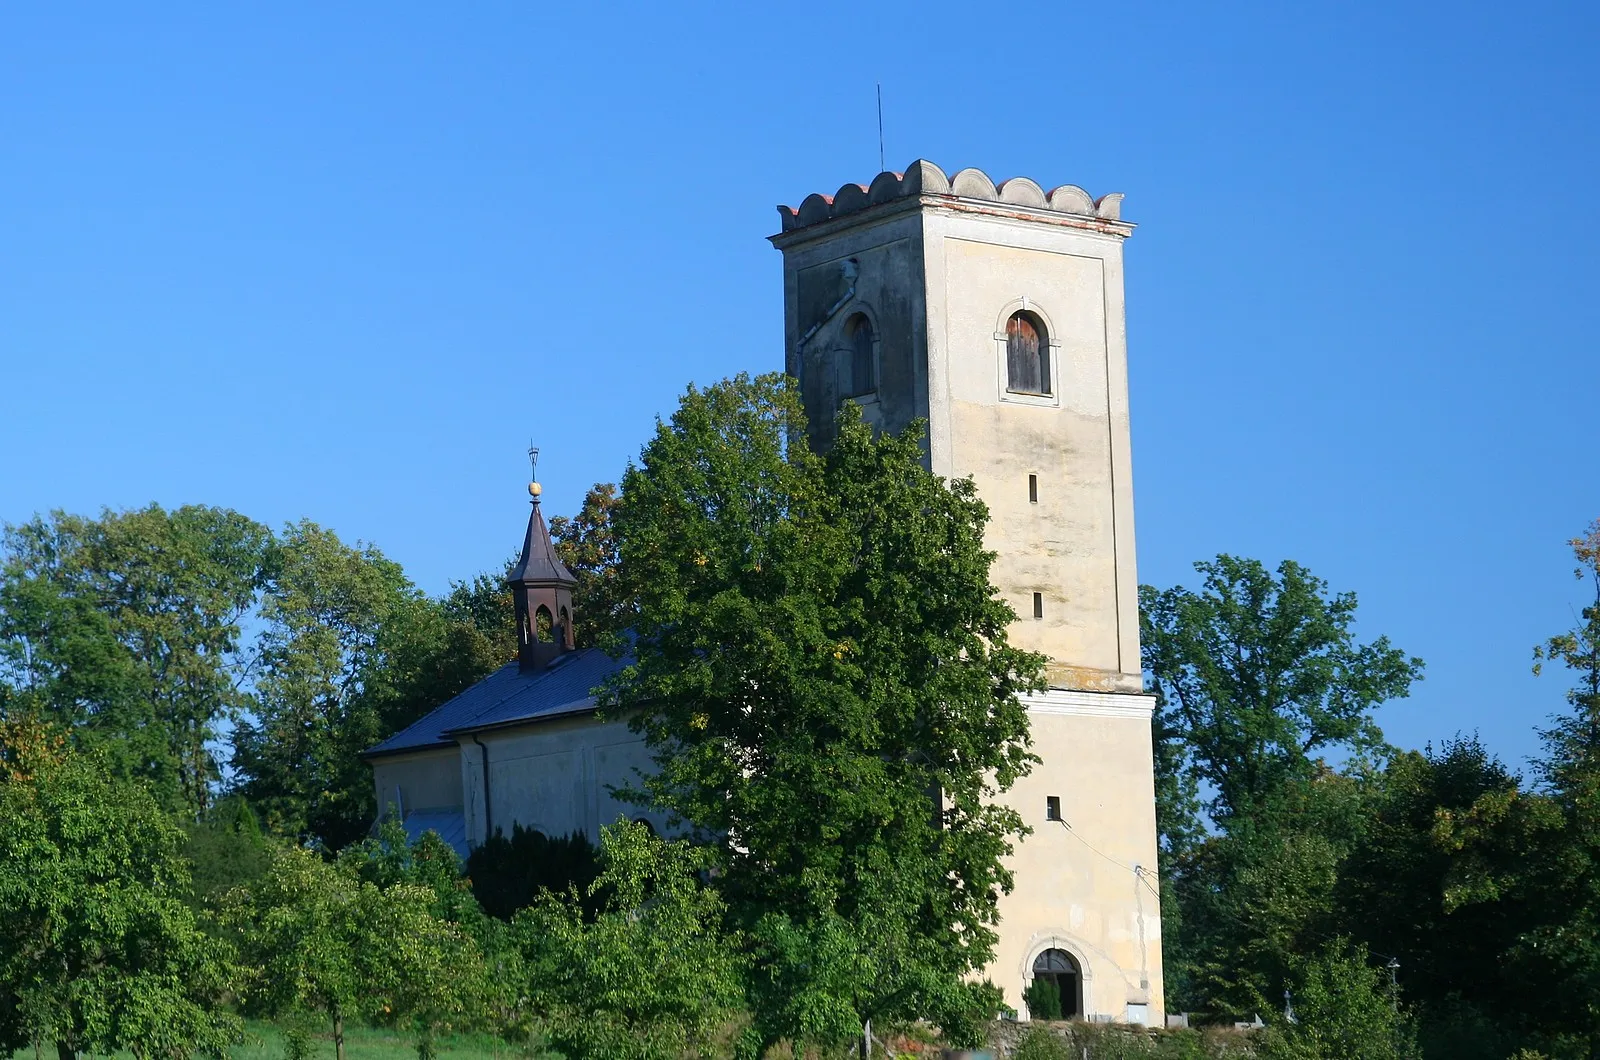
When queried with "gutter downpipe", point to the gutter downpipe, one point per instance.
{"points": [[488, 819]]}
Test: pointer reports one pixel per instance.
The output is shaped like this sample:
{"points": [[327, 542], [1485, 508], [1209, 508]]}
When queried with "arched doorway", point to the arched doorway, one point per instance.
{"points": [[1060, 969]]}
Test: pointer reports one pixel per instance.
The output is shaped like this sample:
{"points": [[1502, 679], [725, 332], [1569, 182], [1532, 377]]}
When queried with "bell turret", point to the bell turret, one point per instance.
{"points": [[542, 586]]}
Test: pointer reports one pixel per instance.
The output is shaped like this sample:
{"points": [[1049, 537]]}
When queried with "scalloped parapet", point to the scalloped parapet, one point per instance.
{"points": [[924, 178]]}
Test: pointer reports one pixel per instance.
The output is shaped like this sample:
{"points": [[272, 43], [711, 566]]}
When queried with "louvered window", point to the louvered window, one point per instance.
{"points": [[862, 371], [1027, 355]]}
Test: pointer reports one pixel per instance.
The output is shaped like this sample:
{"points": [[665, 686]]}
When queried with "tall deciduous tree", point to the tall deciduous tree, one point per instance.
{"points": [[127, 628], [1570, 946], [332, 613], [587, 544], [99, 951], [1259, 674], [1446, 877], [824, 673]]}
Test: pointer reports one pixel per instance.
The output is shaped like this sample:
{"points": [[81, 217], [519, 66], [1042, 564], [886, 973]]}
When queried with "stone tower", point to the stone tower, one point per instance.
{"points": [[996, 314]]}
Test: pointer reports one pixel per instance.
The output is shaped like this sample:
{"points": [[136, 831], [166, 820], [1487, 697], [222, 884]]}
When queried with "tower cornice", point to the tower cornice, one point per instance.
{"points": [[924, 186]]}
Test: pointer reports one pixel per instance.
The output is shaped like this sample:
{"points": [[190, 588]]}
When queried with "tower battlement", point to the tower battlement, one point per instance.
{"points": [[923, 180]]}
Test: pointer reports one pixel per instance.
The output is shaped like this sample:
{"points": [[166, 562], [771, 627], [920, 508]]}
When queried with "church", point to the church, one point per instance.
{"points": [[995, 313]]}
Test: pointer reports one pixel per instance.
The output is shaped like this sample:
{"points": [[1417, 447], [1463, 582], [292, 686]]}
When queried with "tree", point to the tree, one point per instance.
{"points": [[331, 614], [1568, 949], [1258, 676], [1446, 878], [319, 939], [224, 850], [127, 630], [351, 653], [1259, 673], [587, 544], [1344, 1007], [653, 976], [824, 675], [98, 949]]}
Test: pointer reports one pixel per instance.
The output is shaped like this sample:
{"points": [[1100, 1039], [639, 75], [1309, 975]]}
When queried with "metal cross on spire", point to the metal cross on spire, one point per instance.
{"points": [[534, 489]]}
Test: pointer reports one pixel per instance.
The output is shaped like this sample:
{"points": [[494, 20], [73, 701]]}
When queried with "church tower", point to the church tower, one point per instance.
{"points": [[996, 314], [541, 585]]}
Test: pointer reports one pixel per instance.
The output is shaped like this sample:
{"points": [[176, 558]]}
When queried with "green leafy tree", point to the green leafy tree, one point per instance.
{"points": [[331, 614], [127, 629], [320, 940], [1258, 674], [1567, 949], [225, 849], [653, 976], [99, 951], [587, 544], [824, 673], [1344, 1007], [351, 653], [1447, 876]]}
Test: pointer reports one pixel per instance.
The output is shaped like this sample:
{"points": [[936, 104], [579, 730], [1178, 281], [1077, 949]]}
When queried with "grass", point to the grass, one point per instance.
{"points": [[264, 1041]]}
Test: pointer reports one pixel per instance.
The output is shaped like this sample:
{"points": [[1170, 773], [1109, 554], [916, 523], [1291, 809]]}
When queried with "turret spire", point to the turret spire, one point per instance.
{"points": [[542, 587]]}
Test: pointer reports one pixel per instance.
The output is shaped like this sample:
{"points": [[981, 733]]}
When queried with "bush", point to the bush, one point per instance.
{"points": [[1040, 1044], [508, 874], [1344, 1009], [652, 976], [1043, 1000]]}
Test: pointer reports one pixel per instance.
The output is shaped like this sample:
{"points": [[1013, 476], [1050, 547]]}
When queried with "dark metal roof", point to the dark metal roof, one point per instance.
{"points": [[508, 695], [451, 826], [539, 564]]}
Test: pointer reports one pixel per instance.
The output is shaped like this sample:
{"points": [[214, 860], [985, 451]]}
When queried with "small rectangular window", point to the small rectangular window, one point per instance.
{"points": [[1038, 605], [1052, 807], [1033, 489]]}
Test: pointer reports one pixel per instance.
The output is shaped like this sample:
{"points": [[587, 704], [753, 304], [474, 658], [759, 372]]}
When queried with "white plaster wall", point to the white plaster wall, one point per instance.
{"points": [[556, 777], [426, 780]]}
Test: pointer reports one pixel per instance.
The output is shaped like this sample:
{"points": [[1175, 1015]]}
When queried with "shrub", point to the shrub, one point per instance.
{"points": [[507, 874], [1040, 1044], [1344, 1009], [1043, 1000]]}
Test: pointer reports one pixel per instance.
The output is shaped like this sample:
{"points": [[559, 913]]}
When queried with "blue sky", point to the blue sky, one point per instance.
{"points": [[343, 263]]}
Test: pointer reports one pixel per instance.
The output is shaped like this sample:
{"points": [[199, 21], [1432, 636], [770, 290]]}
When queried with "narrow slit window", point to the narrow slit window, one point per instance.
{"points": [[1052, 807], [1033, 489], [1038, 605]]}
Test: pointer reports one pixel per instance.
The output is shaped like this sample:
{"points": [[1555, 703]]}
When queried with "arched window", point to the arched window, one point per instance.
{"points": [[566, 625], [862, 371], [1027, 355], [541, 624], [1058, 969]]}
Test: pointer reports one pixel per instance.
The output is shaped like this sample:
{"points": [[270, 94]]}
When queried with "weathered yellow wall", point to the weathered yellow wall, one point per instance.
{"points": [[1088, 885]]}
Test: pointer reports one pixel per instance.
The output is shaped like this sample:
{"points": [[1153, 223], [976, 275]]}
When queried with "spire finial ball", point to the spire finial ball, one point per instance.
{"points": [[534, 489]]}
